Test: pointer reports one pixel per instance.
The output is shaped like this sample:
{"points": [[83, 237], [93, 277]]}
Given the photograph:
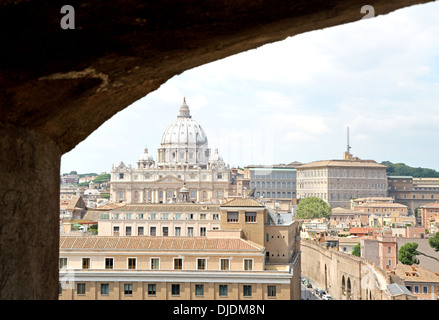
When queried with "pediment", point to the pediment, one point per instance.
{"points": [[170, 179]]}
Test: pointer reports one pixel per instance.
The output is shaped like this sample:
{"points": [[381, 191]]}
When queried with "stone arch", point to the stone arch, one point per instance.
{"points": [[343, 285], [348, 289], [82, 79]]}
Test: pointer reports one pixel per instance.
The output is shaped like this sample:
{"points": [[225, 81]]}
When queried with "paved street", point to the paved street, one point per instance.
{"points": [[308, 293]]}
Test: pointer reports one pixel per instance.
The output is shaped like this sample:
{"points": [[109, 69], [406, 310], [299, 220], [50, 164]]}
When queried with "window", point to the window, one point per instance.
{"points": [[223, 290], [155, 263], [199, 289], [177, 216], [389, 250], [120, 194], [177, 231], [152, 231], [109, 263], [175, 289], [271, 291], [128, 289], [178, 263], [152, 289], [165, 231], [131, 263], [105, 288], [115, 230], [85, 263], [215, 216], [247, 291], [202, 231], [248, 264], [250, 217], [416, 289], [225, 264], [232, 216], [128, 216], [152, 216], [201, 264], [62, 262], [190, 231], [140, 231], [267, 237], [202, 216], [80, 288], [424, 289], [121, 175], [128, 231]]}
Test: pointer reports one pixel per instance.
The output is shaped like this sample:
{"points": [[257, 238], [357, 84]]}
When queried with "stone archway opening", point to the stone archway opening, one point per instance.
{"points": [[61, 85]]}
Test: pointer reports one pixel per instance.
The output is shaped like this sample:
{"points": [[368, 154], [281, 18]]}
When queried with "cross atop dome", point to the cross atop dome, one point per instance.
{"points": [[184, 110]]}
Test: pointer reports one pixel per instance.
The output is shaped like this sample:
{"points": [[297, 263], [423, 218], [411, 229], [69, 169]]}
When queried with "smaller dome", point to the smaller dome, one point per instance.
{"points": [[215, 156], [145, 156], [184, 189]]}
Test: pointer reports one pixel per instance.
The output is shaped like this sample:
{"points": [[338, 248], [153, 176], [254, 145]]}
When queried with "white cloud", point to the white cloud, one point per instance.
{"points": [[298, 137]]}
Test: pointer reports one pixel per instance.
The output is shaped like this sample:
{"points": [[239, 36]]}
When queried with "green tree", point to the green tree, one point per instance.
{"points": [[356, 251], [408, 253], [312, 207], [434, 242]]}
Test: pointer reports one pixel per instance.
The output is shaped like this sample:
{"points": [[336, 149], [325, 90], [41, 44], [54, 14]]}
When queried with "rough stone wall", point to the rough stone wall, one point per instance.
{"points": [[29, 216]]}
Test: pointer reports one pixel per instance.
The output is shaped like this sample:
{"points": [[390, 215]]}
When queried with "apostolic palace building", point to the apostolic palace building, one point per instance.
{"points": [[185, 168]]}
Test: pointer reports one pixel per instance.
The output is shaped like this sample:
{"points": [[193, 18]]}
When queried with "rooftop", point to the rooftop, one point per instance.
{"points": [[416, 273], [155, 243], [242, 202], [381, 204], [431, 205], [169, 207], [342, 163]]}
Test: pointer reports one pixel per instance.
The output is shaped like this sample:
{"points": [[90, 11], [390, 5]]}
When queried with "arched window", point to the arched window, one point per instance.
{"points": [[348, 289], [343, 286]]}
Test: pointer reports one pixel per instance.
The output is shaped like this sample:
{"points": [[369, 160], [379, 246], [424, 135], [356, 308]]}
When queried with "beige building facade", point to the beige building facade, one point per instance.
{"points": [[339, 181], [251, 257], [176, 219]]}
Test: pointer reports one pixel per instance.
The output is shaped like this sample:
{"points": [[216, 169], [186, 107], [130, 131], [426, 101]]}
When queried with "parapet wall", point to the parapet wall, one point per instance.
{"points": [[344, 276]]}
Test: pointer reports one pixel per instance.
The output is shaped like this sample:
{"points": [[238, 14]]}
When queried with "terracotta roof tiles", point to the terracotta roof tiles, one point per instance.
{"points": [[156, 243], [242, 202]]}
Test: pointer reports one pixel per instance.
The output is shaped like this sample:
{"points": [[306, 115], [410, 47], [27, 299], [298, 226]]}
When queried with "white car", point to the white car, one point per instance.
{"points": [[327, 297]]}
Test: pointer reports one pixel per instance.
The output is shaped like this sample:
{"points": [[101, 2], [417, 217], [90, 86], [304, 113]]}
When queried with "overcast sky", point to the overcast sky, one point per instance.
{"points": [[292, 100]]}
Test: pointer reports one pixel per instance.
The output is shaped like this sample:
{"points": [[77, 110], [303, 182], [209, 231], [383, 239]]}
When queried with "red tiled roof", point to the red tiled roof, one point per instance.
{"points": [[360, 230], [155, 243], [242, 202], [431, 205]]}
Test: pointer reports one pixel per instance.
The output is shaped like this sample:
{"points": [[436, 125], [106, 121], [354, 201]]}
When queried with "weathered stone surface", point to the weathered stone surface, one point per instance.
{"points": [[65, 83], [29, 214], [58, 86]]}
